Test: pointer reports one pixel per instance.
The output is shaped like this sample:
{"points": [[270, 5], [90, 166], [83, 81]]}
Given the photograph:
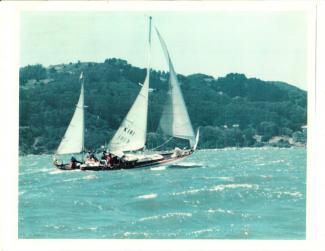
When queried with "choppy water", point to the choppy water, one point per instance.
{"points": [[215, 194]]}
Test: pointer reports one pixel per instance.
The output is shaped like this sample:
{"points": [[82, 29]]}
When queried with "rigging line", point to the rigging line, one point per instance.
{"points": [[162, 143]]}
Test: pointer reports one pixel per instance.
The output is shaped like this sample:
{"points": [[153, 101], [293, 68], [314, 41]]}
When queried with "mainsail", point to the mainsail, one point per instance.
{"points": [[131, 135], [175, 120], [73, 140]]}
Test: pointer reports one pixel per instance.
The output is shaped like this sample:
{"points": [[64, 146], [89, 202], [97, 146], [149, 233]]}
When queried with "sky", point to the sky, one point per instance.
{"points": [[268, 45]]}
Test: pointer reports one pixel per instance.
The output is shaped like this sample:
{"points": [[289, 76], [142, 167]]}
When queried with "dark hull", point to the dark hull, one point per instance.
{"points": [[167, 158]]}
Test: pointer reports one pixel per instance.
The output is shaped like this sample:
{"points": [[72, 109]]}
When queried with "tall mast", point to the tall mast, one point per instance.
{"points": [[148, 74], [149, 49], [83, 119], [150, 20]]}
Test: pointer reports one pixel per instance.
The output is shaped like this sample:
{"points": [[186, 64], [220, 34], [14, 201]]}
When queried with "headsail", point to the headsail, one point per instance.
{"points": [[73, 140], [175, 120], [131, 135]]}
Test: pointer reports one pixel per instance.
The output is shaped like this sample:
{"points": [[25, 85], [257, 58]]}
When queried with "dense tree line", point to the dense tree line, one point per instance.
{"points": [[231, 110]]}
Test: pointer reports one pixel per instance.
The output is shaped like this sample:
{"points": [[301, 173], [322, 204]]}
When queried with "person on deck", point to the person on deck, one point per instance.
{"points": [[110, 161], [105, 159], [91, 159], [74, 163]]}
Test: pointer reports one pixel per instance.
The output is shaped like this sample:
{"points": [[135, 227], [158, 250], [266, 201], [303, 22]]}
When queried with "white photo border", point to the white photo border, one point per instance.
{"points": [[9, 107]]}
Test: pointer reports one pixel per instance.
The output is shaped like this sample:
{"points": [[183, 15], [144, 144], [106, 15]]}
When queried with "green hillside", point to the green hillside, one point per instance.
{"points": [[231, 110]]}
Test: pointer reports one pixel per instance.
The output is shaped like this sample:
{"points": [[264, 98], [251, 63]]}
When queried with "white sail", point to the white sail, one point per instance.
{"points": [[73, 140], [175, 120], [131, 135]]}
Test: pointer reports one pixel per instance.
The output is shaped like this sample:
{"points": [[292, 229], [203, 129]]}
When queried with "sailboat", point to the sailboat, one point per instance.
{"points": [[73, 140], [128, 145]]}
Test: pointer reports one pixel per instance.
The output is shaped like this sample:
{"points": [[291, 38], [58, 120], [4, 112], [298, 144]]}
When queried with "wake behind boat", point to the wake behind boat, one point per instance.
{"points": [[126, 148]]}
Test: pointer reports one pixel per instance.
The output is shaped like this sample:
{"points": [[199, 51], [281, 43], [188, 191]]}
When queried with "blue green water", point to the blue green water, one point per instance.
{"points": [[214, 194]]}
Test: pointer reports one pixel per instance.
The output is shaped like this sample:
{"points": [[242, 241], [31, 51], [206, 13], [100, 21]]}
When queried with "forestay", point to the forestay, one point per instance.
{"points": [[175, 120], [73, 140]]}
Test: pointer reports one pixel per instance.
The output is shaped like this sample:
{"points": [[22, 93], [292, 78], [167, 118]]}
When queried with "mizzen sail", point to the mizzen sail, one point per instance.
{"points": [[131, 135], [73, 140], [175, 120]]}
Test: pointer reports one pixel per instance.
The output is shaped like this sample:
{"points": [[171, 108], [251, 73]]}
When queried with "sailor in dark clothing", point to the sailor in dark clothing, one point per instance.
{"points": [[104, 155], [93, 157], [110, 160], [74, 163]]}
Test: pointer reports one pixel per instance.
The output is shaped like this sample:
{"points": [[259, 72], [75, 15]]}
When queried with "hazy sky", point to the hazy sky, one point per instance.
{"points": [[266, 45]]}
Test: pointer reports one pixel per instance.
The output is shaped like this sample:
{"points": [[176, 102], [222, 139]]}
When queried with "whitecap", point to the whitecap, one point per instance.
{"points": [[159, 168], [296, 194], [220, 210], [192, 191], [216, 188], [226, 178], [93, 229], [147, 196], [187, 164], [156, 217], [278, 161], [203, 231], [219, 178], [56, 171], [166, 216], [177, 214], [44, 169], [233, 186], [127, 234], [90, 177]]}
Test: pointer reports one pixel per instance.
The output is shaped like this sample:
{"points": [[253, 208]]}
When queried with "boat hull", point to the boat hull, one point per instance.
{"points": [[167, 158]]}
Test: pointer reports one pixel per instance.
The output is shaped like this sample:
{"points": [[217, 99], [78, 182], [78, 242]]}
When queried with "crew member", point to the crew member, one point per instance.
{"points": [[74, 163]]}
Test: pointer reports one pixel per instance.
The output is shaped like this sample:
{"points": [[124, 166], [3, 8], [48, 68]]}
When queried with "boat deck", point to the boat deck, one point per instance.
{"points": [[166, 158]]}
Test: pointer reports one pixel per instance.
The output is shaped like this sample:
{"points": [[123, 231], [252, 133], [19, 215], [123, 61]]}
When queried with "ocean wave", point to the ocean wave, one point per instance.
{"points": [[218, 178], [166, 216], [265, 148], [93, 229], [128, 234], [278, 161], [159, 168], [226, 178], [88, 177], [234, 186], [202, 231], [56, 227], [56, 171], [147, 196], [217, 188], [187, 164], [220, 210], [35, 171], [296, 194]]}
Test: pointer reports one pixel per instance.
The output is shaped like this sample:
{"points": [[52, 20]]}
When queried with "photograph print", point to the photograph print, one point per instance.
{"points": [[163, 124]]}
